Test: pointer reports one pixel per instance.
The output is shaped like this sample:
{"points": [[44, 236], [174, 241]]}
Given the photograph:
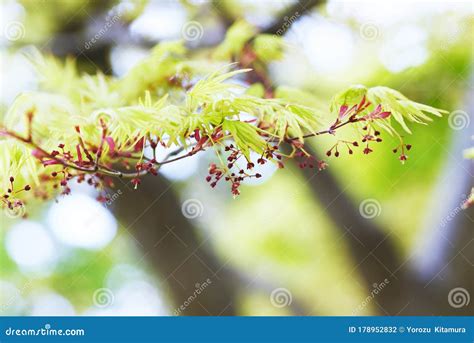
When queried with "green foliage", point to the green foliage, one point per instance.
{"points": [[401, 108], [16, 159], [86, 124], [245, 137]]}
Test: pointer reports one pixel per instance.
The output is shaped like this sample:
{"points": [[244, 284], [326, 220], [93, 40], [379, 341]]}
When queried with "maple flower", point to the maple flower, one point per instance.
{"points": [[376, 114]]}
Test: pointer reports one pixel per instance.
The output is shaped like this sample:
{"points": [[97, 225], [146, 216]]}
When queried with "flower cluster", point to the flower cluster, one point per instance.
{"points": [[97, 163], [104, 132]]}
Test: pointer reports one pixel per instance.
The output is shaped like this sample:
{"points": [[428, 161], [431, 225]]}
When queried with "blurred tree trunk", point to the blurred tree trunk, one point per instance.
{"points": [[373, 250], [152, 215], [445, 258]]}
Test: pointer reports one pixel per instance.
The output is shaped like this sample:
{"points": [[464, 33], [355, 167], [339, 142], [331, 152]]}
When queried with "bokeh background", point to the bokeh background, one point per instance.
{"points": [[367, 236]]}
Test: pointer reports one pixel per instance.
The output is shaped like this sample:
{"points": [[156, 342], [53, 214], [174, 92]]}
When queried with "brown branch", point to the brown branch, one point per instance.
{"points": [[43, 152], [98, 168]]}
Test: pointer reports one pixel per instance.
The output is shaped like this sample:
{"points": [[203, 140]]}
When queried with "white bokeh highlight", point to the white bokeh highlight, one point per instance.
{"points": [[331, 46], [405, 47], [81, 221], [160, 21], [133, 298], [31, 246], [12, 300], [51, 304]]}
